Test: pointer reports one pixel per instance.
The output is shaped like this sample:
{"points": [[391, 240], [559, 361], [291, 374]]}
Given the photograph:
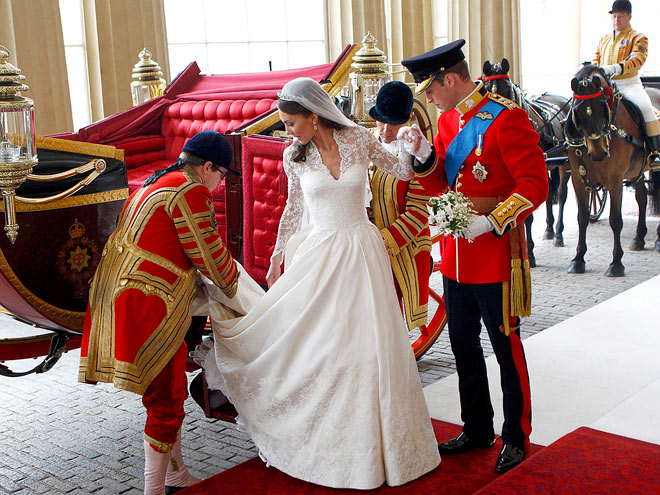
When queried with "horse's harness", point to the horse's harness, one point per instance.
{"points": [[546, 111], [579, 143]]}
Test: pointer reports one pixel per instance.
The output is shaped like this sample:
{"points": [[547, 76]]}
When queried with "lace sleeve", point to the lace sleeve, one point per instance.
{"points": [[399, 165], [293, 211]]}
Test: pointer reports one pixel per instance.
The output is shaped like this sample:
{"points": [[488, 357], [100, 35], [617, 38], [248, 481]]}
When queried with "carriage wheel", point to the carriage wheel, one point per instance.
{"points": [[597, 201]]}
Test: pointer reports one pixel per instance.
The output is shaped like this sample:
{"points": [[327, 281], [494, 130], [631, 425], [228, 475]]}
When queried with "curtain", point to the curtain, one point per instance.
{"points": [[116, 31], [348, 21], [491, 29], [32, 31]]}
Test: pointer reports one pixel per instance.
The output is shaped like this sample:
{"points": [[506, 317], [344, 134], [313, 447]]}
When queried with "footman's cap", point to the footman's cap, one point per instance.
{"points": [[426, 67], [621, 6], [211, 146], [394, 103]]}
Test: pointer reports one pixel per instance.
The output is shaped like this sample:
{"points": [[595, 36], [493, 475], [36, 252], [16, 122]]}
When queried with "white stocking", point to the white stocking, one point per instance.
{"points": [[177, 474], [155, 468]]}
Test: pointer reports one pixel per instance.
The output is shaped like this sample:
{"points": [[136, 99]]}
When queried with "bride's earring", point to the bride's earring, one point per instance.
{"points": [[315, 128]]}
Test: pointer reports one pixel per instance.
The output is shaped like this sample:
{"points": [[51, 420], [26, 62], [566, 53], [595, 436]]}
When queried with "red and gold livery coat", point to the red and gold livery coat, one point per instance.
{"points": [[504, 176], [399, 211], [628, 48], [140, 298]]}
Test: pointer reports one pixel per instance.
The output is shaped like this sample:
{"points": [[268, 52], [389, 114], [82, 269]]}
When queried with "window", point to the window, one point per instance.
{"points": [[440, 22], [226, 36], [76, 61]]}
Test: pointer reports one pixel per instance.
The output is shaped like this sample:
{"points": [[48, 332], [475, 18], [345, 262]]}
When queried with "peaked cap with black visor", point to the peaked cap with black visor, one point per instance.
{"points": [[427, 66]]}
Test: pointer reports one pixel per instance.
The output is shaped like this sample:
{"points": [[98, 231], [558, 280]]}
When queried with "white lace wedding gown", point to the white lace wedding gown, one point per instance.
{"points": [[321, 369]]}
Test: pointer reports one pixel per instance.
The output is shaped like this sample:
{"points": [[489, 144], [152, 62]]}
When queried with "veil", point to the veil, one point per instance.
{"points": [[308, 93]]}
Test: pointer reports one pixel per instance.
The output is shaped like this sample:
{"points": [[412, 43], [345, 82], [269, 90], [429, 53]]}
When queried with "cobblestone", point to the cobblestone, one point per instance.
{"points": [[61, 437]]}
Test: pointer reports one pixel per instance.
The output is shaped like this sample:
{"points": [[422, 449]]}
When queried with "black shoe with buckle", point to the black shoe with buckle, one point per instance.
{"points": [[463, 443], [509, 458]]}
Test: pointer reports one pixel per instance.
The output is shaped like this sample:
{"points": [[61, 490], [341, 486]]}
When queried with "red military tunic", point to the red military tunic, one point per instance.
{"points": [[141, 295], [400, 213], [515, 174]]}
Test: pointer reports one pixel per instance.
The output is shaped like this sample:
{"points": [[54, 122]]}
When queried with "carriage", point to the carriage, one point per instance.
{"points": [[139, 141]]}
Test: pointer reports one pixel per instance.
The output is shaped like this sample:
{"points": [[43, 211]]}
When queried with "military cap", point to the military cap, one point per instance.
{"points": [[621, 6], [425, 67], [211, 146], [393, 103]]}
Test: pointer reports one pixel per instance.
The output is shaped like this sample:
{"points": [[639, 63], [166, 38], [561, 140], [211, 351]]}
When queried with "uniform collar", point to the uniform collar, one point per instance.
{"points": [[616, 34], [472, 100]]}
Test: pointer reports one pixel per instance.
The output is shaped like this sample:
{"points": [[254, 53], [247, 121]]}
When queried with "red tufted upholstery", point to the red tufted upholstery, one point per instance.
{"points": [[264, 197], [180, 121]]}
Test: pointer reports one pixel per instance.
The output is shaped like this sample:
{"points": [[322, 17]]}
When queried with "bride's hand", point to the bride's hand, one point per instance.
{"points": [[275, 270]]}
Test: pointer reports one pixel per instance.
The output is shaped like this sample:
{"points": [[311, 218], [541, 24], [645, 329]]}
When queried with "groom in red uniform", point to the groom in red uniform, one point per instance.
{"points": [[486, 149], [141, 296]]}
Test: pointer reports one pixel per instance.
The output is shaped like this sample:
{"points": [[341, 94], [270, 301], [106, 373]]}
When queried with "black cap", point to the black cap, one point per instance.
{"points": [[425, 67], [621, 6], [393, 103], [211, 146]]}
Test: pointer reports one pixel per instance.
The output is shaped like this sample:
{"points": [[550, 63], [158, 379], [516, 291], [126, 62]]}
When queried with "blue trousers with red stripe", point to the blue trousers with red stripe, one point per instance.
{"points": [[467, 305]]}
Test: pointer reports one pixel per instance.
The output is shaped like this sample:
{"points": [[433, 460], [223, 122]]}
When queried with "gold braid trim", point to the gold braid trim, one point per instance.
{"points": [[163, 447], [507, 212]]}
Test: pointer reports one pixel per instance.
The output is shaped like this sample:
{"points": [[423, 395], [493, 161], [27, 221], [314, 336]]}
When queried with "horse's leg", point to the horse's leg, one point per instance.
{"points": [[563, 194], [530, 241], [549, 219], [577, 264], [637, 243], [616, 268], [549, 202], [657, 239]]}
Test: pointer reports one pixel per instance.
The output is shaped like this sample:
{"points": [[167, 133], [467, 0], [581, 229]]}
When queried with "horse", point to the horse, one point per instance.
{"points": [[606, 147], [546, 114]]}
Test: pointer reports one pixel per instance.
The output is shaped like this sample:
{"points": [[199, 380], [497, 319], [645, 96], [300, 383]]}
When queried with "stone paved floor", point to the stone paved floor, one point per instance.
{"points": [[61, 437]]}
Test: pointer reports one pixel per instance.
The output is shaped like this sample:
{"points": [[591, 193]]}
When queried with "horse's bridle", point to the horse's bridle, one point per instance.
{"points": [[515, 92]]}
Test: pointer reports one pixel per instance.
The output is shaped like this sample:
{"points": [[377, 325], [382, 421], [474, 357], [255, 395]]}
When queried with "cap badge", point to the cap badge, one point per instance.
{"points": [[479, 172]]}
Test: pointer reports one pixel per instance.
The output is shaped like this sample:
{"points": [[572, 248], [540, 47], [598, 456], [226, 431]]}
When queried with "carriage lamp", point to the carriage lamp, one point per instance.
{"points": [[148, 79], [369, 76], [18, 151]]}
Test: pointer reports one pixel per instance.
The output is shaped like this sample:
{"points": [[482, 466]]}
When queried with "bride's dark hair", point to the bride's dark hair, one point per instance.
{"points": [[294, 108]]}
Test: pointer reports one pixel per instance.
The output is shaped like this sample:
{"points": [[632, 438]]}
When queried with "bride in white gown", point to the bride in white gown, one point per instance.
{"points": [[320, 368]]}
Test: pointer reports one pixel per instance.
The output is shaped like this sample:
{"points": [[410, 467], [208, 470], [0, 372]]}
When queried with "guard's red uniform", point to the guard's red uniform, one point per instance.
{"points": [[141, 295], [400, 213]]}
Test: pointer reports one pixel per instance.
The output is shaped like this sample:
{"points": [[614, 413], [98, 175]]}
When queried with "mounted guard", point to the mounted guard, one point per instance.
{"points": [[621, 54]]}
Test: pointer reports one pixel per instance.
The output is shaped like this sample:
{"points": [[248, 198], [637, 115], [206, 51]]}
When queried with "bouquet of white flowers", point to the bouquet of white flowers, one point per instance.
{"points": [[451, 213]]}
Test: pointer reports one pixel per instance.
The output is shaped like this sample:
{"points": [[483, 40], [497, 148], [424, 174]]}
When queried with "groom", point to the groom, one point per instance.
{"points": [[399, 208], [486, 149]]}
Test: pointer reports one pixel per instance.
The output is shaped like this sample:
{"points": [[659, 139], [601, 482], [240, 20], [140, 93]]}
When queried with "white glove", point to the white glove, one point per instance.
{"points": [[612, 70], [479, 224], [414, 142]]}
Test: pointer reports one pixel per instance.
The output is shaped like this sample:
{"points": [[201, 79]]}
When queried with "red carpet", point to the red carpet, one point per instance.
{"points": [[456, 475], [585, 461]]}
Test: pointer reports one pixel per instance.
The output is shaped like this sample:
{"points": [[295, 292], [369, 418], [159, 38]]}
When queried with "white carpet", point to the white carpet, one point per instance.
{"points": [[600, 369]]}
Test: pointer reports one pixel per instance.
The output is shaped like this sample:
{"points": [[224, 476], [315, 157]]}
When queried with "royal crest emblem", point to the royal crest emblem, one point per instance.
{"points": [[479, 172], [485, 115], [78, 258]]}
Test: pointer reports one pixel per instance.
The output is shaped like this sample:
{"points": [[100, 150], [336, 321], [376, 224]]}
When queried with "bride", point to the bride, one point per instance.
{"points": [[320, 368]]}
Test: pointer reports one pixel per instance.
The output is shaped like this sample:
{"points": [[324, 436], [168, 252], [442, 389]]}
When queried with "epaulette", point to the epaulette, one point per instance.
{"points": [[503, 101]]}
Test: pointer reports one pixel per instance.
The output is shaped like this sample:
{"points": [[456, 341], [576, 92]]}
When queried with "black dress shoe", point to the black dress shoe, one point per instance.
{"points": [[169, 490], [509, 458], [463, 443]]}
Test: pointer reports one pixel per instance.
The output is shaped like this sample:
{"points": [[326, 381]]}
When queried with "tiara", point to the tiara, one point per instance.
{"points": [[284, 97]]}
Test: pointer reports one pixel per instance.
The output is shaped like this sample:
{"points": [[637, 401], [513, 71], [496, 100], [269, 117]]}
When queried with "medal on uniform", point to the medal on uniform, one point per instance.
{"points": [[479, 172], [480, 142]]}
